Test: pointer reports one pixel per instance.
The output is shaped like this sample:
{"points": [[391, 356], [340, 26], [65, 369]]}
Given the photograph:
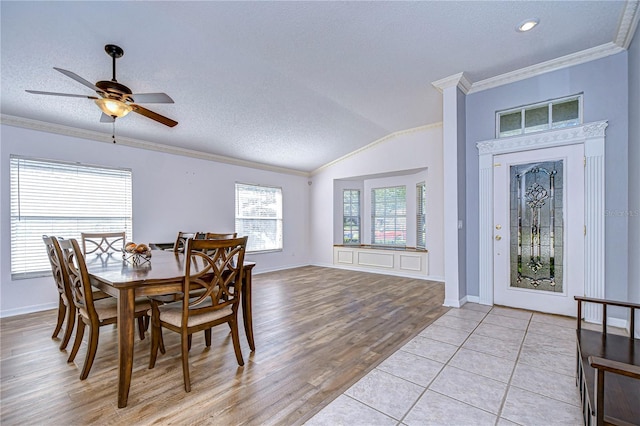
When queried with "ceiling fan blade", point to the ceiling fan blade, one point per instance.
{"points": [[151, 98], [77, 78], [154, 115], [38, 92], [104, 118]]}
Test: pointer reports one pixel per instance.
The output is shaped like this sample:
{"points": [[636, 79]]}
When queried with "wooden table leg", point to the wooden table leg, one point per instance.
{"points": [[246, 305], [126, 306]]}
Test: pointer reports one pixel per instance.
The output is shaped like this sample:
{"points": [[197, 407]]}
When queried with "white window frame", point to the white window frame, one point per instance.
{"points": [[421, 215], [254, 243], [550, 123], [357, 227], [386, 217], [62, 199]]}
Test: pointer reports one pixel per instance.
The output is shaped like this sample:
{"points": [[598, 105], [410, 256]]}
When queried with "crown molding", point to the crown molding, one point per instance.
{"points": [[628, 24], [377, 142], [59, 129], [626, 29], [460, 80], [566, 61]]}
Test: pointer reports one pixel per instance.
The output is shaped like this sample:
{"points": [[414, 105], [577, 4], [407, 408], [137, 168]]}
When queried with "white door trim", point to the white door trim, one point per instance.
{"points": [[592, 135]]}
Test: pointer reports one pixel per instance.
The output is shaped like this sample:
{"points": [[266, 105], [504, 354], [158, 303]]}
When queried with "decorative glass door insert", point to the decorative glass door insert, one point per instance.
{"points": [[536, 226]]}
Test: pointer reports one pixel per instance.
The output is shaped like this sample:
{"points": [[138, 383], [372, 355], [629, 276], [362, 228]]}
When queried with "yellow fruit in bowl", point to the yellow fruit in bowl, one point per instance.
{"points": [[130, 247]]}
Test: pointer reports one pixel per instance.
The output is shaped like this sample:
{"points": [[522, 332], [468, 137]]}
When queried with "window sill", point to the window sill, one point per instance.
{"points": [[264, 251], [381, 247]]}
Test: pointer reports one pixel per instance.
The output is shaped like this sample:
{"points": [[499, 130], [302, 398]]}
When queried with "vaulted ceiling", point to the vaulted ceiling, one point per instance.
{"points": [[292, 85]]}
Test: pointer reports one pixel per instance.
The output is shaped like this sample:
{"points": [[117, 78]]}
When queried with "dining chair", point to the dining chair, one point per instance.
{"points": [[178, 247], [102, 242], [181, 241], [90, 312], [213, 236], [66, 308], [210, 265]]}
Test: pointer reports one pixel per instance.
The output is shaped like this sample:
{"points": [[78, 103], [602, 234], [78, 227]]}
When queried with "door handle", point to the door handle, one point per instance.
{"points": [[498, 237]]}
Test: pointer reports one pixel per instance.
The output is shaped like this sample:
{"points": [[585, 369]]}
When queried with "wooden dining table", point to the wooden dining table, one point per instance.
{"points": [[162, 274]]}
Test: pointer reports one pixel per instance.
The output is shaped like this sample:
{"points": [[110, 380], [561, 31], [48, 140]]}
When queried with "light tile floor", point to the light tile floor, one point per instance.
{"points": [[475, 365]]}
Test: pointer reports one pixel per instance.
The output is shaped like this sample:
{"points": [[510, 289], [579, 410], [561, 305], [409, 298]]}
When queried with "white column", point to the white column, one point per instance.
{"points": [[449, 88], [485, 227], [594, 218]]}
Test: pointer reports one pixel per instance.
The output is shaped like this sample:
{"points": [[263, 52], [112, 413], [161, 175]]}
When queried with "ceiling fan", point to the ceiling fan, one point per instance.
{"points": [[116, 100]]}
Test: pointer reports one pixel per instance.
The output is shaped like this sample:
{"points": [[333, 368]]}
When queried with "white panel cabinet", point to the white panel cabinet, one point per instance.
{"points": [[402, 262]]}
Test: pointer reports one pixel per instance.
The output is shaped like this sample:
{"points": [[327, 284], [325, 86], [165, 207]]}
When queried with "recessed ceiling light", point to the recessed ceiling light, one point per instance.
{"points": [[527, 24]]}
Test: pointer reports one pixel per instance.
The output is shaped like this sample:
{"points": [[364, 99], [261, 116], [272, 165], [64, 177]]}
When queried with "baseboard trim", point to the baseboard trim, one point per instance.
{"points": [[383, 272], [473, 299], [27, 310], [452, 303]]}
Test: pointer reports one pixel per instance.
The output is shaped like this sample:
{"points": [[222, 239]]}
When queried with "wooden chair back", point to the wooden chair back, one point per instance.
{"points": [[79, 281], [215, 236], [66, 308], [214, 266], [102, 242], [60, 275], [181, 241]]}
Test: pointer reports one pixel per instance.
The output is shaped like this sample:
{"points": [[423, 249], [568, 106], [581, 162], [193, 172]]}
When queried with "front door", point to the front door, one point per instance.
{"points": [[538, 245]]}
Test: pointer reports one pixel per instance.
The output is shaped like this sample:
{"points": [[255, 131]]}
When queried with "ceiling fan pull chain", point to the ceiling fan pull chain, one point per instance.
{"points": [[113, 132]]}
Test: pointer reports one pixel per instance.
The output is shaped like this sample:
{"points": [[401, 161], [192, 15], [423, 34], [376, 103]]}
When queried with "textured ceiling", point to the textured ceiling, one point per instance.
{"points": [[287, 84]]}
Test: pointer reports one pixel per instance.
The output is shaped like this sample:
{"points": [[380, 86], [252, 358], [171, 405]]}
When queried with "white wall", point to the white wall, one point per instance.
{"points": [[409, 150], [165, 188]]}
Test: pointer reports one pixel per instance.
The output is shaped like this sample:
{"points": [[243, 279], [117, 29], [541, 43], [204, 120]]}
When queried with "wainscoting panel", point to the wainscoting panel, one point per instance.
{"points": [[404, 262]]}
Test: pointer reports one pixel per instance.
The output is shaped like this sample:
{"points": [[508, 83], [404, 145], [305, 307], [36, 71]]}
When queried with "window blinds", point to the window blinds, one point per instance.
{"points": [[259, 216], [421, 215], [389, 216], [62, 199], [351, 216]]}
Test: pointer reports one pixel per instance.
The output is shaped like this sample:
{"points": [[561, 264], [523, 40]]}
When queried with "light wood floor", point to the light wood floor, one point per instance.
{"points": [[317, 331]]}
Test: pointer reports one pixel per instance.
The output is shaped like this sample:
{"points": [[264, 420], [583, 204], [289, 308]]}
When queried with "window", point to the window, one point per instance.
{"points": [[548, 115], [421, 215], [351, 216], [389, 216], [259, 216], [63, 200]]}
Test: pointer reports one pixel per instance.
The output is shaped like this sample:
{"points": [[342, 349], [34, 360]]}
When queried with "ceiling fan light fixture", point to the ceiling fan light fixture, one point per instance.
{"points": [[113, 107]]}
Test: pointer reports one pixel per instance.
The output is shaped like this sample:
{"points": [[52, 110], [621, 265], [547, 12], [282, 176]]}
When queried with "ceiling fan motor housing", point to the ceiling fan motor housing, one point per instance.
{"points": [[114, 90]]}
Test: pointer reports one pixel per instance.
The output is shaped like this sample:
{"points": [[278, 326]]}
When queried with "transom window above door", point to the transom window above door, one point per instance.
{"points": [[553, 114]]}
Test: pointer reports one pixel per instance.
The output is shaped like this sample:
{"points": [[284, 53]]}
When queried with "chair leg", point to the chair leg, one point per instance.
{"points": [[185, 362], [155, 333], [141, 327], [94, 334], [189, 338], [207, 337], [71, 321], [62, 310], [78, 341], [236, 342], [161, 338]]}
